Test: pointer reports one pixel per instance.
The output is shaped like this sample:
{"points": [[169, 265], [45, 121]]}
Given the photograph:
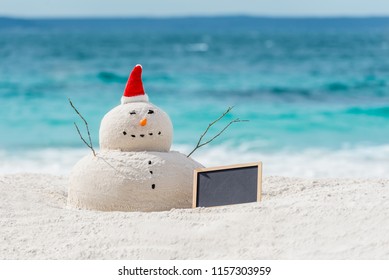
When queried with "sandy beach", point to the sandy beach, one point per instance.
{"points": [[297, 219]]}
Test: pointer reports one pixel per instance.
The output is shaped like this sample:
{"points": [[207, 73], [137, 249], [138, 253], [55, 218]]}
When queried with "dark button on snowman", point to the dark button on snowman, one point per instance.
{"points": [[135, 169]]}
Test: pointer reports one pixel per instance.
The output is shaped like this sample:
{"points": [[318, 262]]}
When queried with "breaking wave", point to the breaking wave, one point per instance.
{"points": [[352, 162]]}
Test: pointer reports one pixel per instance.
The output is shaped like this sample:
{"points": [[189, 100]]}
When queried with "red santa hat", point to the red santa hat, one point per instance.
{"points": [[134, 91]]}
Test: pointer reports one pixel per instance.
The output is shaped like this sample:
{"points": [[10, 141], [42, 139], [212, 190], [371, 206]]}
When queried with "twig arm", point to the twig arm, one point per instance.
{"points": [[209, 126], [82, 138], [199, 144], [217, 135], [90, 145]]}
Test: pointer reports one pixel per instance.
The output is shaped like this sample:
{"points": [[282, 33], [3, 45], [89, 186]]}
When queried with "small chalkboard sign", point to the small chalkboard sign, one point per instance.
{"points": [[226, 185]]}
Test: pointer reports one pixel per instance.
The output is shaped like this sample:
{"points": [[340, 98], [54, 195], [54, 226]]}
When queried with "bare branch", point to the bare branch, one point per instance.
{"points": [[199, 144], [213, 138], [82, 138], [90, 145], [209, 126]]}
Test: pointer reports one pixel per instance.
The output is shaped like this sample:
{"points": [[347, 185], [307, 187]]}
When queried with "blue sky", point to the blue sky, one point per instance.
{"points": [[164, 8]]}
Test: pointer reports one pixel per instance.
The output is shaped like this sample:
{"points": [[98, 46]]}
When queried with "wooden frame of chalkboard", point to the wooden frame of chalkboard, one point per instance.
{"points": [[199, 171]]}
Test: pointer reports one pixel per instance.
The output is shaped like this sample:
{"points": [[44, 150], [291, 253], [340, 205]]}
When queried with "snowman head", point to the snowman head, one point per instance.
{"points": [[136, 124]]}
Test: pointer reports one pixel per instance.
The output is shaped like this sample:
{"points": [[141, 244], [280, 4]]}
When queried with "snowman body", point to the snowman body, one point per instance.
{"points": [[132, 181], [135, 169]]}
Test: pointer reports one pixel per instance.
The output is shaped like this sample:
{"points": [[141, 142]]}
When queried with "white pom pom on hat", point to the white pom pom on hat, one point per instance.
{"points": [[134, 91]]}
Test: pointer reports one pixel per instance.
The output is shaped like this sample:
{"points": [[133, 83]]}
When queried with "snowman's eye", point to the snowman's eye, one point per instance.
{"points": [[150, 112], [132, 113]]}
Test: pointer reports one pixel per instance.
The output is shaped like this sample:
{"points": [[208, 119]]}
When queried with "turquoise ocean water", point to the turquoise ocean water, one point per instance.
{"points": [[315, 91]]}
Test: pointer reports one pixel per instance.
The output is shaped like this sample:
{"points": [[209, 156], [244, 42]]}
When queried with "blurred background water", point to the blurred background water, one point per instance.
{"points": [[315, 91]]}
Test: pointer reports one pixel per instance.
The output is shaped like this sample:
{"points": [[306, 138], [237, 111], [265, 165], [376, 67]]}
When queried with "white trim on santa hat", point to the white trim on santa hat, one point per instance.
{"points": [[137, 98]]}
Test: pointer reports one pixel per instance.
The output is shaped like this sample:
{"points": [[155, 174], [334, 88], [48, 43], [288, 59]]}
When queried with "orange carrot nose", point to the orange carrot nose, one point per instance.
{"points": [[143, 122]]}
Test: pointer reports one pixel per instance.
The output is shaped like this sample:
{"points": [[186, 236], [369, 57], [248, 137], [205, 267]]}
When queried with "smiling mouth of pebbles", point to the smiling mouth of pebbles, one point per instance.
{"points": [[141, 135]]}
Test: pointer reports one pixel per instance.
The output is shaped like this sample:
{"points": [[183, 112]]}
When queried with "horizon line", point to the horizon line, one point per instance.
{"points": [[166, 17]]}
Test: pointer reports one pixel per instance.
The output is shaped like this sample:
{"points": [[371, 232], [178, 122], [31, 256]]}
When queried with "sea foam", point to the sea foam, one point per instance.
{"points": [[351, 162]]}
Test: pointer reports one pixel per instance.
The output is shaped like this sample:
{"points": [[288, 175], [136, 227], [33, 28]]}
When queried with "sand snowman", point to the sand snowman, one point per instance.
{"points": [[135, 169]]}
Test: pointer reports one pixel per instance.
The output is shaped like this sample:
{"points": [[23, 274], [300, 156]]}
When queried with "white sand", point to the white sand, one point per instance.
{"points": [[298, 219]]}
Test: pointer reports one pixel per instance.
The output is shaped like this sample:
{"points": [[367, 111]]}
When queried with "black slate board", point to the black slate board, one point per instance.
{"points": [[227, 185]]}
